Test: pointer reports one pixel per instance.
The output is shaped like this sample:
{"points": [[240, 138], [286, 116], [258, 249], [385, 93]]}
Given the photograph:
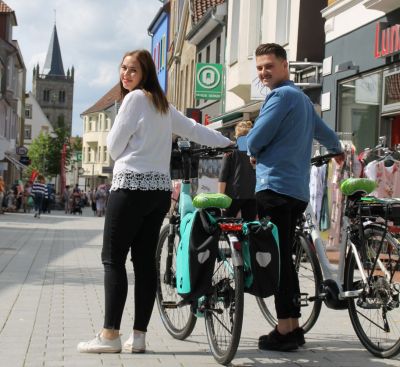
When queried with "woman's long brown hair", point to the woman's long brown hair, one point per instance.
{"points": [[149, 83]]}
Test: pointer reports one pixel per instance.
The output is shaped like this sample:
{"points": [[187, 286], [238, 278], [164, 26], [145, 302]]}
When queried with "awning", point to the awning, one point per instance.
{"points": [[15, 162]]}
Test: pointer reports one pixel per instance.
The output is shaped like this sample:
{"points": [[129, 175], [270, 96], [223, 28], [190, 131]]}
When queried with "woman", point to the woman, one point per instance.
{"points": [[140, 144], [237, 178]]}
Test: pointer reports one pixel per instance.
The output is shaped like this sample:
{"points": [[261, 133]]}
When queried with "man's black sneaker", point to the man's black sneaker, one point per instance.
{"points": [[276, 341], [298, 336]]}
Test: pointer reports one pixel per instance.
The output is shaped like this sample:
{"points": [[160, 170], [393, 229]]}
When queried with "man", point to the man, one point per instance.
{"points": [[280, 145]]}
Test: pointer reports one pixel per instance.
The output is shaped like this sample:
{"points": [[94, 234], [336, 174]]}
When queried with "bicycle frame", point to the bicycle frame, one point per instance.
{"points": [[337, 273]]}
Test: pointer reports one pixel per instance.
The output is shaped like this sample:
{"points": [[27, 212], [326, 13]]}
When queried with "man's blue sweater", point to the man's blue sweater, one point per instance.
{"points": [[281, 141]]}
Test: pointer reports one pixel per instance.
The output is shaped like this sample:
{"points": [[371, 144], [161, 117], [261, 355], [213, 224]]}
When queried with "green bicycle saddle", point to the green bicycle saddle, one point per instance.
{"points": [[204, 200], [352, 185]]}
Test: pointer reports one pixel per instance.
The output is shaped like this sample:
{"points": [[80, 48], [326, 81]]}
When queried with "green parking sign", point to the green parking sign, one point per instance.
{"points": [[209, 81]]}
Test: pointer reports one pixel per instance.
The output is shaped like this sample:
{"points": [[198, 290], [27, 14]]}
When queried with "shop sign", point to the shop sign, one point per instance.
{"points": [[387, 40], [209, 81], [21, 150]]}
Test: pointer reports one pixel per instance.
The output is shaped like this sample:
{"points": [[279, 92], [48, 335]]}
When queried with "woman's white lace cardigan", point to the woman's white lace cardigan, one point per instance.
{"points": [[140, 142]]}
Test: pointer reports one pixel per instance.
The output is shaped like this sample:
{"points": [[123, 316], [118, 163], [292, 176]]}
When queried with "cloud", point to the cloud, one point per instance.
{"points": [[93, 36]]}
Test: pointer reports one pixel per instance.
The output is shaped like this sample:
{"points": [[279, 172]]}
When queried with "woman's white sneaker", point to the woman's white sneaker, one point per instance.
{"points": [[100, 345], [136, 343]]}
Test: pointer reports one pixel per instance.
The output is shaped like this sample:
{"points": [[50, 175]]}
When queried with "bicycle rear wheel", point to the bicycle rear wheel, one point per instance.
{"points": [[310, 279], [375, 312], [178, 320], [224, 307]]}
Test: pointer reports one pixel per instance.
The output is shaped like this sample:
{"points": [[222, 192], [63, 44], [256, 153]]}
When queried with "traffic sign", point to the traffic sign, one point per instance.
{"points": [[209, 81], [21, 150]]}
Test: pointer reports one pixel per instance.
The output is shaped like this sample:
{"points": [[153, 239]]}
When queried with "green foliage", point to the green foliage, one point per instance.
{"points": [[77, 145], [46, 150]]}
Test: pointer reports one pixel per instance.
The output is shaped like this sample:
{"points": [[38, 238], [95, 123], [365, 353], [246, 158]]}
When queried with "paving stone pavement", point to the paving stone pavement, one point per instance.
{"points": [[51, 297]]}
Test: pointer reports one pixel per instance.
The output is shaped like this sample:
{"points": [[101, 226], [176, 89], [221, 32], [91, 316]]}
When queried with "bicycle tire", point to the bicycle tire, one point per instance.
{"points": [[179, 321], [310, 279], [224, 314], [380, 299]]}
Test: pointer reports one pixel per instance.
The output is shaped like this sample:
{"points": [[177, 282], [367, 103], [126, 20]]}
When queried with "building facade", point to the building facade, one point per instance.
{"points": [[12, 97], [53, 88], [36, 121], [361, 86], [158, 31], [208, 34], [297, 25], [97, 122]]}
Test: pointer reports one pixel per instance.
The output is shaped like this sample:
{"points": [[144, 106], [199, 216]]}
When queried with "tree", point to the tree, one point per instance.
{"points": [[45, 152]]}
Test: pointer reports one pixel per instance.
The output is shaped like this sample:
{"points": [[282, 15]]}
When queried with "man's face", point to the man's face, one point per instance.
{"points": [[271, 70]]}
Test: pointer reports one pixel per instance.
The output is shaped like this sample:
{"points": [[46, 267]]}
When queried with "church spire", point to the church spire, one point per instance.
{"points": [[53, 64]]}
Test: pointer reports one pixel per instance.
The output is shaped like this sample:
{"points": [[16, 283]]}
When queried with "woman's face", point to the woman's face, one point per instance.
{"points": [[130, 73]]}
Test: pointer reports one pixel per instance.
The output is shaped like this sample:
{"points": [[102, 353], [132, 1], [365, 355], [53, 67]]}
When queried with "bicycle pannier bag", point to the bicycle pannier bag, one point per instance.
{"points": [[261, 258], [196, 255]]}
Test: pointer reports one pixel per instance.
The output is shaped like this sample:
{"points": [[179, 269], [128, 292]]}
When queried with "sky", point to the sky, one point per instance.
{"points": [[93, 37]]}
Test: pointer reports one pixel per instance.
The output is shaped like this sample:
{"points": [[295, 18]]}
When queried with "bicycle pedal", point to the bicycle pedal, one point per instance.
{"points": [[352, 294], [169, 304]]}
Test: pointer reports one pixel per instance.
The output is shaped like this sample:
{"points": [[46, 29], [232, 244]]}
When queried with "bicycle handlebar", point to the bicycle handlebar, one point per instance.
{"points": [[202, 152], [323, 159]]}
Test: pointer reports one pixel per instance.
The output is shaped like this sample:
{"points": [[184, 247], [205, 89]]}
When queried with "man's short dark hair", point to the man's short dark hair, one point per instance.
{"points": [[271, 48]]}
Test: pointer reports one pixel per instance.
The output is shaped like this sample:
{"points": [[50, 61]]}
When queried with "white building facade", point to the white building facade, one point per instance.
{"points": [[97, 121]]}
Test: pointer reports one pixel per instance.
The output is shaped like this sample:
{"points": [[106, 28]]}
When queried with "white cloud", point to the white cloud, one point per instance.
{"points": [[93, 35]]}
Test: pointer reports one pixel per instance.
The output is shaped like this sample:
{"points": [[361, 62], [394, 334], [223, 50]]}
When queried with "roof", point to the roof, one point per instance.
{"points": [[4, 8], [114, 94], [53, 64], [200, 7]]}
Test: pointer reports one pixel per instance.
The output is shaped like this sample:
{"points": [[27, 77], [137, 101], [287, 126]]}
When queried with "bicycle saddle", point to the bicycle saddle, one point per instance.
{"points": [[351, 186], [205, 200]]}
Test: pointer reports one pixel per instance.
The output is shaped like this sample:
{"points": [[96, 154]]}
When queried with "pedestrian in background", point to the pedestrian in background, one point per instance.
{"points": [[281, 144], [27, 201], [237, 178], [39, 190], [140, 144], [67, 198]]}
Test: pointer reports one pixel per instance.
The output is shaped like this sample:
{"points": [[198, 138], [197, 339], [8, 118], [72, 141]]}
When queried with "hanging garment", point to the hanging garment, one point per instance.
{"points": [[387, 178], [317, 188]]}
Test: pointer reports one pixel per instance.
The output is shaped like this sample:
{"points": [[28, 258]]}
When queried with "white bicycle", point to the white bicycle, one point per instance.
{"points": [[366, 280]]}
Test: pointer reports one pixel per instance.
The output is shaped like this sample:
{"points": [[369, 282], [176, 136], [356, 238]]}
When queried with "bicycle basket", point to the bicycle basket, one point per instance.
{"points": [[176, 167]]}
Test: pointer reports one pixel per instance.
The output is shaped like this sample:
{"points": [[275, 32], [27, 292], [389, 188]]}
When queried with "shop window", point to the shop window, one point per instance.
{"points": [[391, 91], [359, 103]]}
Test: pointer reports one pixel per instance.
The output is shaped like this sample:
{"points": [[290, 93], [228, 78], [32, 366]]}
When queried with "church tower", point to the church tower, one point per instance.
{"points": [[53, 89]]}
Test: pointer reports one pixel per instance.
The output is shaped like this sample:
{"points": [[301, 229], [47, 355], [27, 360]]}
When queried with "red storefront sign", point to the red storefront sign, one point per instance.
{"points": [[387, 40]]}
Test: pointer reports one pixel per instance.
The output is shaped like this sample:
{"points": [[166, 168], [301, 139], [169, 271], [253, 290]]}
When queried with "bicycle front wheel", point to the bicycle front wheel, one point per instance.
{"points": [[224, 307], [310, 279], [178, 320], [375, 311]]}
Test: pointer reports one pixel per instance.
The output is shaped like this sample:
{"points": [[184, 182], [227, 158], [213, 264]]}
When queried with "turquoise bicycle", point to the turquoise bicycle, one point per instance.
{"points": [[222, 305]]}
